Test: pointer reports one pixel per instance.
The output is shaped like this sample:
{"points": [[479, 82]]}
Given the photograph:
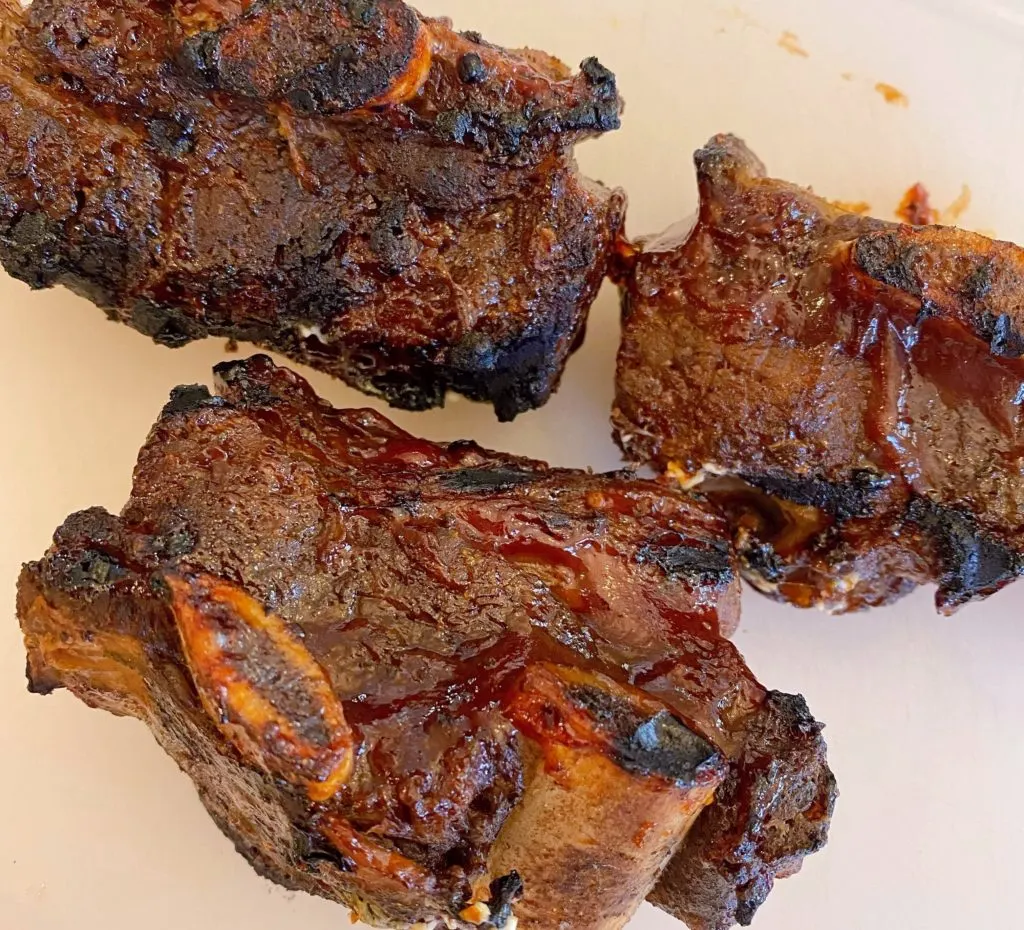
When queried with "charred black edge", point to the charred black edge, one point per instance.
{"points": [[760, 560], [345, 81], [34, 248], [974, 564], [844, 501], [658, 745], [505, 890], [165, 325], [515, 374], [38, 683], [699, 565], [518, 374], [92, 568], [729, 861], [189, 397], [890, 258], [505, 133], [88, 557], [311, 850], [488, 480], [238, 374], [1005, 341], [793, 718], [978, 284], [83, 554]]}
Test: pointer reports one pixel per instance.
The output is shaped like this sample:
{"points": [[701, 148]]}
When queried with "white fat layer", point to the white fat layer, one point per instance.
{"points": [[848, 583], [307, 332], [694, 481], [760, 584]]}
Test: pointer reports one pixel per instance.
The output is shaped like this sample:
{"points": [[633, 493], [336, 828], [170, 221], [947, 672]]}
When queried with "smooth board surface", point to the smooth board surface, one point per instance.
{"points": [[98, 829]]}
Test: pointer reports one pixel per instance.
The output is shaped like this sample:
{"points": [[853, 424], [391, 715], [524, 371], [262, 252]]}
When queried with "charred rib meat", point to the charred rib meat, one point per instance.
{"points": [[349, 183], [390, 666], [860, 388]]}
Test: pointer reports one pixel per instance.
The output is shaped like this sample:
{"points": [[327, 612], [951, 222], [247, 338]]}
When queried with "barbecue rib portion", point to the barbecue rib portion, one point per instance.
{"points": [[433, 682], [860, 387], [358, 187]]}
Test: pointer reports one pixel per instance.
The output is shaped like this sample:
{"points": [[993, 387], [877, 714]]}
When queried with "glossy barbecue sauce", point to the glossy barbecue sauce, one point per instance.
{"points": [[470, 568], [395, 644], [456, 600], [872, 427], [583, 596]]}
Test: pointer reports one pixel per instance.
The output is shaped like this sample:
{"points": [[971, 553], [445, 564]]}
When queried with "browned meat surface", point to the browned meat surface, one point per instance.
{"points": [[346, 182], [433, 682], [850, 391]]}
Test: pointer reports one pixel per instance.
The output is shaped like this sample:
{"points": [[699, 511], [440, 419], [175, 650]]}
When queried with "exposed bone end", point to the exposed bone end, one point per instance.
{"points": [[590, 839], [87, 667], [317, 56], [609, 798], [409, 82], [221, 629], [104, 668]]}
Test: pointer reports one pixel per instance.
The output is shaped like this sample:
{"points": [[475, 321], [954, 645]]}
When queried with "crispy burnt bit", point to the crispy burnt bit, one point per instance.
{"points": [[860, 386], [322, 56], [348, 183], [385, 663], [729, 855]]}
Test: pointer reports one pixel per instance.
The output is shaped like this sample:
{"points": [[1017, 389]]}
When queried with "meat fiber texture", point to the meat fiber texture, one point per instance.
{"points": [[860, 387], [432, 682], [358, 187]]}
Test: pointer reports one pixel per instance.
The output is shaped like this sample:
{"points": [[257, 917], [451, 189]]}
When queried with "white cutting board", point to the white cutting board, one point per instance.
{"points": [[99, 831]]}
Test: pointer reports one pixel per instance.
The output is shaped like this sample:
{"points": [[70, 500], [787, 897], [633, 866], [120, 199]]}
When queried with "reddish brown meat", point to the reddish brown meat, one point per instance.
{"points": [[412, 677], [850, 391], [348, 183]]}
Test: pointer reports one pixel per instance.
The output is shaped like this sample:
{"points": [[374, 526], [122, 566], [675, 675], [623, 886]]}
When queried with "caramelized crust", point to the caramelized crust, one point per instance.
{"points": [[348, 183], [433, 682], [860, 387]]}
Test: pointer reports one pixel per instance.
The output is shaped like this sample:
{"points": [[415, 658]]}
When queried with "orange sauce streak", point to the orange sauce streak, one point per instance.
{"points": [[411, 81], [892, 95], [915, 208], [790, 41]]}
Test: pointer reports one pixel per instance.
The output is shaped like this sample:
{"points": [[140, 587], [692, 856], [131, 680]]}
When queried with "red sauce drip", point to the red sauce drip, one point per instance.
{"points": [[915, 208]]}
